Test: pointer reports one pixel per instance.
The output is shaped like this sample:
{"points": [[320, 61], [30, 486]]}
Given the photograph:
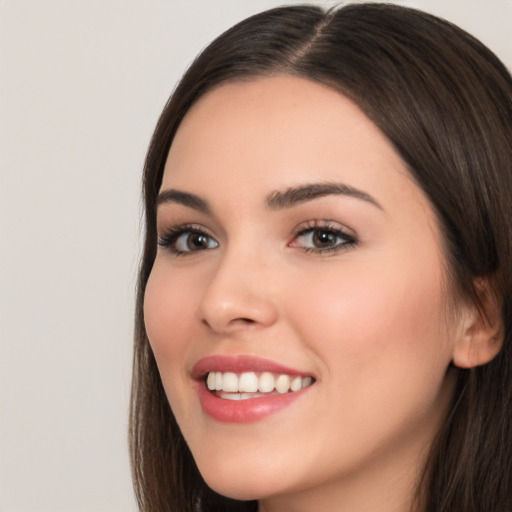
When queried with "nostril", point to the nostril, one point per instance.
{"points": [[241, 322], [222, 313], [235, 321]]}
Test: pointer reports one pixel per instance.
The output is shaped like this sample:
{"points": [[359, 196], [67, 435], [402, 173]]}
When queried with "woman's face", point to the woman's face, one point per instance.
{"points": [[296, 251]]}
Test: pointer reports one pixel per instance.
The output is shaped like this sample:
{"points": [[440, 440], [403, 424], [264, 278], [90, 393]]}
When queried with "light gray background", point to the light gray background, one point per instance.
{"points": [[81, 86]]}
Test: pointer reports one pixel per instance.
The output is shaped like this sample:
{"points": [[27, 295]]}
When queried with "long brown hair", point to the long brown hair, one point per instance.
{"points": [[445, 102]]}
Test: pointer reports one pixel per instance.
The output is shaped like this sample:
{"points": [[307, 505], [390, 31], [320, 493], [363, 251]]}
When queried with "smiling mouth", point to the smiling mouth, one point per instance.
{"points": [[248, 385]]}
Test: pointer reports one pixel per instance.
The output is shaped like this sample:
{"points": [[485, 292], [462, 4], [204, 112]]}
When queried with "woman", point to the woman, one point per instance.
{"points": [[323, 311]]}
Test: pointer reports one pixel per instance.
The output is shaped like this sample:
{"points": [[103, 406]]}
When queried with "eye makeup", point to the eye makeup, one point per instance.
{"points": [[323, 236], [187, 238], [314, 236]]}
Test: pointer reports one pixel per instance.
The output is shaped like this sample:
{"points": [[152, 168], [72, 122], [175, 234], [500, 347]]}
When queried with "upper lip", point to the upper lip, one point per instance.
{"points": [[240, 364]]}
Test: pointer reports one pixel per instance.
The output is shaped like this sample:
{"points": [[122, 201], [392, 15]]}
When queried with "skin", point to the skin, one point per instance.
{"points": [[373, 321]]}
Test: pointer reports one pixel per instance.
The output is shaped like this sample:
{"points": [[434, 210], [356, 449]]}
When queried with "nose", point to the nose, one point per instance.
{"points": [[238, 296]]}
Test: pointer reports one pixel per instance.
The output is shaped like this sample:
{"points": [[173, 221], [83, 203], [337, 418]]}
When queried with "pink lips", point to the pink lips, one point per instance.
{"points": [[241, 411], [239, 364]]}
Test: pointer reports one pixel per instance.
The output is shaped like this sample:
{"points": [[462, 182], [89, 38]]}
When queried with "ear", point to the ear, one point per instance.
{"points": [[481, 335]]}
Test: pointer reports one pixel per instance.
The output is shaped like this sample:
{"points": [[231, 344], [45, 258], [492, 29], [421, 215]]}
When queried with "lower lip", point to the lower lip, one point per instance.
{"points": [[244, 411]]}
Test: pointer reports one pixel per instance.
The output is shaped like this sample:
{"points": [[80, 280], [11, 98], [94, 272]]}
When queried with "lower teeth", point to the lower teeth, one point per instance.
{"points": [[240, 396]]}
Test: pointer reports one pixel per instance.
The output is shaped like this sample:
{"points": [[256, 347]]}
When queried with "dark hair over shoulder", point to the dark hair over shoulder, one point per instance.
{"points": [[445, 102]]}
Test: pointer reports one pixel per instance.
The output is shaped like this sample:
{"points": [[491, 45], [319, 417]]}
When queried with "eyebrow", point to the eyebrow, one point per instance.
{"points": [[184, 198], [292, 196], [277, 200]]}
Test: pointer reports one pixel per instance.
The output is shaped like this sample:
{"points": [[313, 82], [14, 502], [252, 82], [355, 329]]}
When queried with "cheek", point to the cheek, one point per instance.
{"points": [[169, 305], [169, 313], [377, 328], [380, 342]]}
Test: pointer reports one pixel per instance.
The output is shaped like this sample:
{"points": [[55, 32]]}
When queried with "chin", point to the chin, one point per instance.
{"points": [[244, 488], [243, 482]]}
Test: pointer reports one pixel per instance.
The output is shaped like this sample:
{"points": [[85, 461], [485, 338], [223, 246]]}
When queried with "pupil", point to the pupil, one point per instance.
{"points": [[324, 238], [197, 241]]}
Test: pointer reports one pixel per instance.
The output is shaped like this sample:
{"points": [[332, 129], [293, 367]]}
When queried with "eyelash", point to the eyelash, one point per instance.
{"points": [[326, 227], [169, 239]]}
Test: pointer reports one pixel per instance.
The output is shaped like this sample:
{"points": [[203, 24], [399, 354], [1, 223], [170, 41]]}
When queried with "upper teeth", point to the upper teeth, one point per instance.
{"points": [[250, 382]]}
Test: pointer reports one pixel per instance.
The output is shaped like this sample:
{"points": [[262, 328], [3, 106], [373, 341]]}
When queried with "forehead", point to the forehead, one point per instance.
{"points": [[256, 136]]}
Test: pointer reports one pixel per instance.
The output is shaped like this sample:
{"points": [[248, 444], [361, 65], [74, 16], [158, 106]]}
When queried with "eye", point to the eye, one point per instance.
{"points": [[187, 239], [323, 237]]}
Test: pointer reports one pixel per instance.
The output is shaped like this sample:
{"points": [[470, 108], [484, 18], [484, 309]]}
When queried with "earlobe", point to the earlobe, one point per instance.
{"points": [[482, 332]]}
